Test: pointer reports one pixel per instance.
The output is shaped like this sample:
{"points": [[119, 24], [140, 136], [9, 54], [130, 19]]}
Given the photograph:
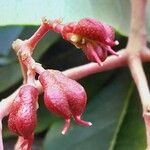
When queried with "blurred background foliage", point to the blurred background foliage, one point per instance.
{"points": [[113, 102]]}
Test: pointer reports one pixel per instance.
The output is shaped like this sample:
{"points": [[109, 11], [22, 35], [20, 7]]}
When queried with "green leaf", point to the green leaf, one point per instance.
{"points": [[107, 110], [5, 61], [6, 133], [93, 86], [49, 39], [132, 132], [7, 36], [45, 118], [9, 75], [127, 134], [10, 70], [114, 12]]}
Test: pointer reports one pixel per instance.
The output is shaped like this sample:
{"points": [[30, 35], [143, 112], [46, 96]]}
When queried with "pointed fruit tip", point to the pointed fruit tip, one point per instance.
{"points": [[97, 59], [90, 123], [79, 121], [116, 54], [66, 127], [63, 132], [116, 42], [100, 64]]}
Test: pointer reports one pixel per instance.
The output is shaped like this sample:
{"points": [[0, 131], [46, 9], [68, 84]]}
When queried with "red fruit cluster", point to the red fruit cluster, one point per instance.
{"points": [[64, 97], [22, 118], [94, 37]]}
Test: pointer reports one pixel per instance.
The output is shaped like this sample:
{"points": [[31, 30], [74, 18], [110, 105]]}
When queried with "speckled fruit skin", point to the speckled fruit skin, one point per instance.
{"points": [[62, 96], [91, 29], [22, 118], [93, 37]]}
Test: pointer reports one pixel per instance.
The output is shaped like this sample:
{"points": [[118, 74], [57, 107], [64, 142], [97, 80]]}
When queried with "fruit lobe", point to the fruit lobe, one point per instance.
{"points": [[94, 37], [63, 96], [22, 118]]}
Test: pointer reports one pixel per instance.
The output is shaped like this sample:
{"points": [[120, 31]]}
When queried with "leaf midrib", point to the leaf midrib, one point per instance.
{"points": [[122, 116]]}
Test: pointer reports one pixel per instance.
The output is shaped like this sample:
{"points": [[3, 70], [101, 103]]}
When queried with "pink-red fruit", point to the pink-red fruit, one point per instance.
{"points": [[64, 97], [22, 118], [94, 37]]}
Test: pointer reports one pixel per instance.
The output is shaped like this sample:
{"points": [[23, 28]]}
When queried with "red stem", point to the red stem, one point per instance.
{"points": [[1, 139], [91, 68], [136, 48], [37, 36]]}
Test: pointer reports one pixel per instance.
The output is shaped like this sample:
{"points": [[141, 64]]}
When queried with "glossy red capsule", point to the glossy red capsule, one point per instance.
{"points": [[22, 118], [64, 97], [94, 37]]}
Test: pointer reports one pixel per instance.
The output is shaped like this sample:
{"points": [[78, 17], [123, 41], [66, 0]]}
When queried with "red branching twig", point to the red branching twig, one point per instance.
{"points": [[133, 56]]}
